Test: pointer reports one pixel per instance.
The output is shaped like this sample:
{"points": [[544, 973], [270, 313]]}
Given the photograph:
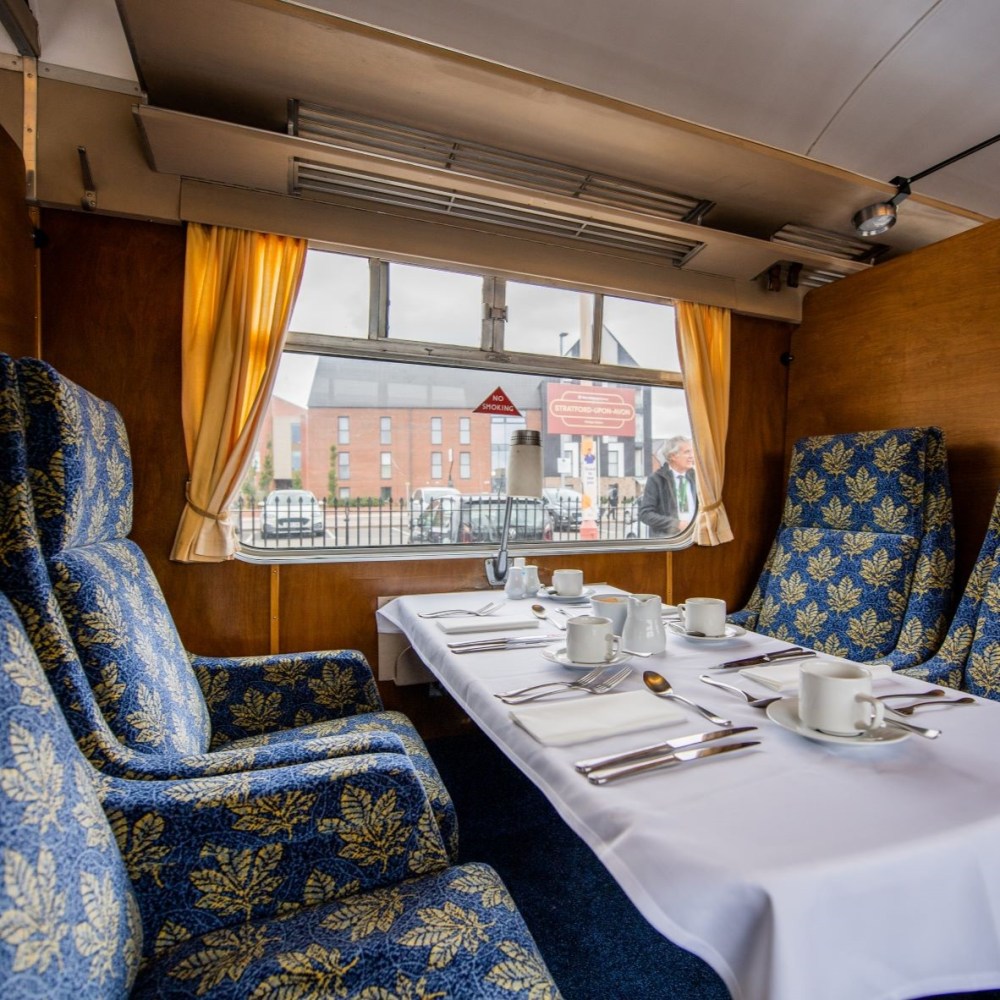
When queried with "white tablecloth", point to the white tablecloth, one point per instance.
{"points": [[798, 870]]}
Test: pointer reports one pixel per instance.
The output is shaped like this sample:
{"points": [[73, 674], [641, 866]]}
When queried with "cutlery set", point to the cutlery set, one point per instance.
{"points": [[668, 753]]}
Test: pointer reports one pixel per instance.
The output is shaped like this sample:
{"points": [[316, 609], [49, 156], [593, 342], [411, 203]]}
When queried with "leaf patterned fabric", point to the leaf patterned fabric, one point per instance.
{"points": [[969, 657], [139, 704], [453, 935], [325, 879], [69, 920], [863, 561]]}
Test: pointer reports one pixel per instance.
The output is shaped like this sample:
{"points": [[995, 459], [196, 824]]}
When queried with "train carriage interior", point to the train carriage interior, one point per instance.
{"points": [[339, 340]]}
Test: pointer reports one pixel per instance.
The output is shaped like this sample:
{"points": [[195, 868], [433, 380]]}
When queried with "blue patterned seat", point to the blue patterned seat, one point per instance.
{"points": [[969, 657], [863, 562], [156, 725], [327, 879]]}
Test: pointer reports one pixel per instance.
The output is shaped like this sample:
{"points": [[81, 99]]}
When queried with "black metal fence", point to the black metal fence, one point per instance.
{"points": [[306, 524]]}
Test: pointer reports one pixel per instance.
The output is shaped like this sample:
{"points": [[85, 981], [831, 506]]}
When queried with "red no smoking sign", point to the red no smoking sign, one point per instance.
{"points": [[498, 402]]}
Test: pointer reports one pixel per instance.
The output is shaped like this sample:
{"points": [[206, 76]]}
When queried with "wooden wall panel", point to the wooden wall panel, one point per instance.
{"points": [[914, 341], [17, 255]]}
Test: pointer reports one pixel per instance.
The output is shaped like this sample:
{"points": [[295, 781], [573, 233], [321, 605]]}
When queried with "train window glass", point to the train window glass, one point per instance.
{"points": [[604, 419]]}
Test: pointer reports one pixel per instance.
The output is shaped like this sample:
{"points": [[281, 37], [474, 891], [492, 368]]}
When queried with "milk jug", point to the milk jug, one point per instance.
{"points": [[644, 631]]}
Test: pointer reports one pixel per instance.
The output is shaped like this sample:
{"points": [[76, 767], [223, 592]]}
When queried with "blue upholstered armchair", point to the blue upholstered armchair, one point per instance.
{"points": [[324, 879], [969, 657], [863, 562], [127, 687]]}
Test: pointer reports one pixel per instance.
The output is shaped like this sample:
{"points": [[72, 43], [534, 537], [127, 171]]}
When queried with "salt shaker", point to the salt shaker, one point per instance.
{"points": [[514, 587], [531, 582]]}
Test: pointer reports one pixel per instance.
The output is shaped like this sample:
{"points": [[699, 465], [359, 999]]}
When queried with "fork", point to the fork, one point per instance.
{"points": [[486, 609], [590, 675], [750, 699], [601, 686]]}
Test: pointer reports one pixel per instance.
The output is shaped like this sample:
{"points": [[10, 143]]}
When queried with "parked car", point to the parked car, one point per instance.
{"points": [[468, 519], [566, 507], [423, 499], [292, 512]]}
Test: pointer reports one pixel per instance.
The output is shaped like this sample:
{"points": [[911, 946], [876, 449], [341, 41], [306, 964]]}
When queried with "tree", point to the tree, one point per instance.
{"points": [[331, 479], [267, 468]]}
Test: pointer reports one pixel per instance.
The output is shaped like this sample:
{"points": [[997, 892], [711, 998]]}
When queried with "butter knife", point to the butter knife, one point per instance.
{"points": [[593, 763], [602, 777], [509, 644], [795, 653], [504, 639]]}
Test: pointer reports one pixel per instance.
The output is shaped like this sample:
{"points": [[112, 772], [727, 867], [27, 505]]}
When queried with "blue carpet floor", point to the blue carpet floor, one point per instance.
{"points": [[595, 942]]}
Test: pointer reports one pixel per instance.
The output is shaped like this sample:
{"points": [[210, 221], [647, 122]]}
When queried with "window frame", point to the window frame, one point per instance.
{"points": [[490, 355]]}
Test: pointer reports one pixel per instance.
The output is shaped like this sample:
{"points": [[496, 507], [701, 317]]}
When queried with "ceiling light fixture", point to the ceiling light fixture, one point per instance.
{"points": [[873, 220]]}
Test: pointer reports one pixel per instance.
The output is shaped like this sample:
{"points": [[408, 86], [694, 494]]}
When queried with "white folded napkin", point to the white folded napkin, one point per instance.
{"points": [[784, 676], [590, 717], [484, 623]]}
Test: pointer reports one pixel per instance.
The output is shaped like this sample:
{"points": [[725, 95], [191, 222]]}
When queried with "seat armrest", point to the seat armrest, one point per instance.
{"points": [[250, 695], [210, 853]]}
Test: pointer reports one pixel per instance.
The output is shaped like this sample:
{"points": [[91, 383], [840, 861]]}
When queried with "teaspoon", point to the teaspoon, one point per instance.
{"points": [[661, 686], [908, 709], [539, 612]]}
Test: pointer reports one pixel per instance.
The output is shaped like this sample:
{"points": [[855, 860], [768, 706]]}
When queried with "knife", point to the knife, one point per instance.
{"points": [[586, 766], [506, 644], [519, 639], [795, 653], [668, 760]]}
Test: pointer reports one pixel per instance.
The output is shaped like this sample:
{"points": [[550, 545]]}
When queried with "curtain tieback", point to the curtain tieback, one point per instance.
{"points": [[712, 506], [198, 510]]}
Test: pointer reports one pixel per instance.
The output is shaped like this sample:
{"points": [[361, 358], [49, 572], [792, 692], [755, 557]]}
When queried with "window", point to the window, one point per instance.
{"points": [[410, 369]]}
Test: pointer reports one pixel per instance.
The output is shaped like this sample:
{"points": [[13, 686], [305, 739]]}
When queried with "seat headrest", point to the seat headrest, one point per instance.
{"points": [[78, 458]]}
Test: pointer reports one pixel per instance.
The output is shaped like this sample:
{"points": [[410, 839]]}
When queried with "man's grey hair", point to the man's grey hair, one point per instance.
{"points": [[670, 447]]}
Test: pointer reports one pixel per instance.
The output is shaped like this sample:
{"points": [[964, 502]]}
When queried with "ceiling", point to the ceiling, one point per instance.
{"points": [[778, 113]]}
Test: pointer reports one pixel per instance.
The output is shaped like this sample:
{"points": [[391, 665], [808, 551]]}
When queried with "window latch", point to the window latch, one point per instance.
{"points": [[495, 312]]}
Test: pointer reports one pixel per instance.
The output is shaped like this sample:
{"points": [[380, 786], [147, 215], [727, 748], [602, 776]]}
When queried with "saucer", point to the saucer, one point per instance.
{"points": [[558, 655], [732, 632], [584, 595], [786, 714]]}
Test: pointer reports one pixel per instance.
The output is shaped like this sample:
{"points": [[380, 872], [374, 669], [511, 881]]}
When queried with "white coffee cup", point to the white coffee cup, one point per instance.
{"points": [[589, 639], [704, 614], [613, 606], [836, 698], [568, 582]]}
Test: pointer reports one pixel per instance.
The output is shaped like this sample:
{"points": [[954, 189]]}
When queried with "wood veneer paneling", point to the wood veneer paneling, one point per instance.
{"points": [[912, 342], [17, 255]]}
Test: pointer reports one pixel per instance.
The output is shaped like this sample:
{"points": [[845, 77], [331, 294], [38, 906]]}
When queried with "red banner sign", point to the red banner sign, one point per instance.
{"points": [[498, 402], [581, 409]]}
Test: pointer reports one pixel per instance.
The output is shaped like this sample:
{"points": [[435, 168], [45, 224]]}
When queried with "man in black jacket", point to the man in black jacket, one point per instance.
{"points": [[669, 500]]}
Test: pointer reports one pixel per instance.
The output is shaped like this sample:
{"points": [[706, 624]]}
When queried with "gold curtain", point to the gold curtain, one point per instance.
{"points": [[239, 289], [703, 334]]}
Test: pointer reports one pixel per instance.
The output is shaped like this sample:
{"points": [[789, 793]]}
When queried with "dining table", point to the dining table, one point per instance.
{"points": [[802, 867]]}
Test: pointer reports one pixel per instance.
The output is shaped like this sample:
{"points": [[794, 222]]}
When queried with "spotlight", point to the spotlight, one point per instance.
{"points": [[881, 217], [875, 219]]}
